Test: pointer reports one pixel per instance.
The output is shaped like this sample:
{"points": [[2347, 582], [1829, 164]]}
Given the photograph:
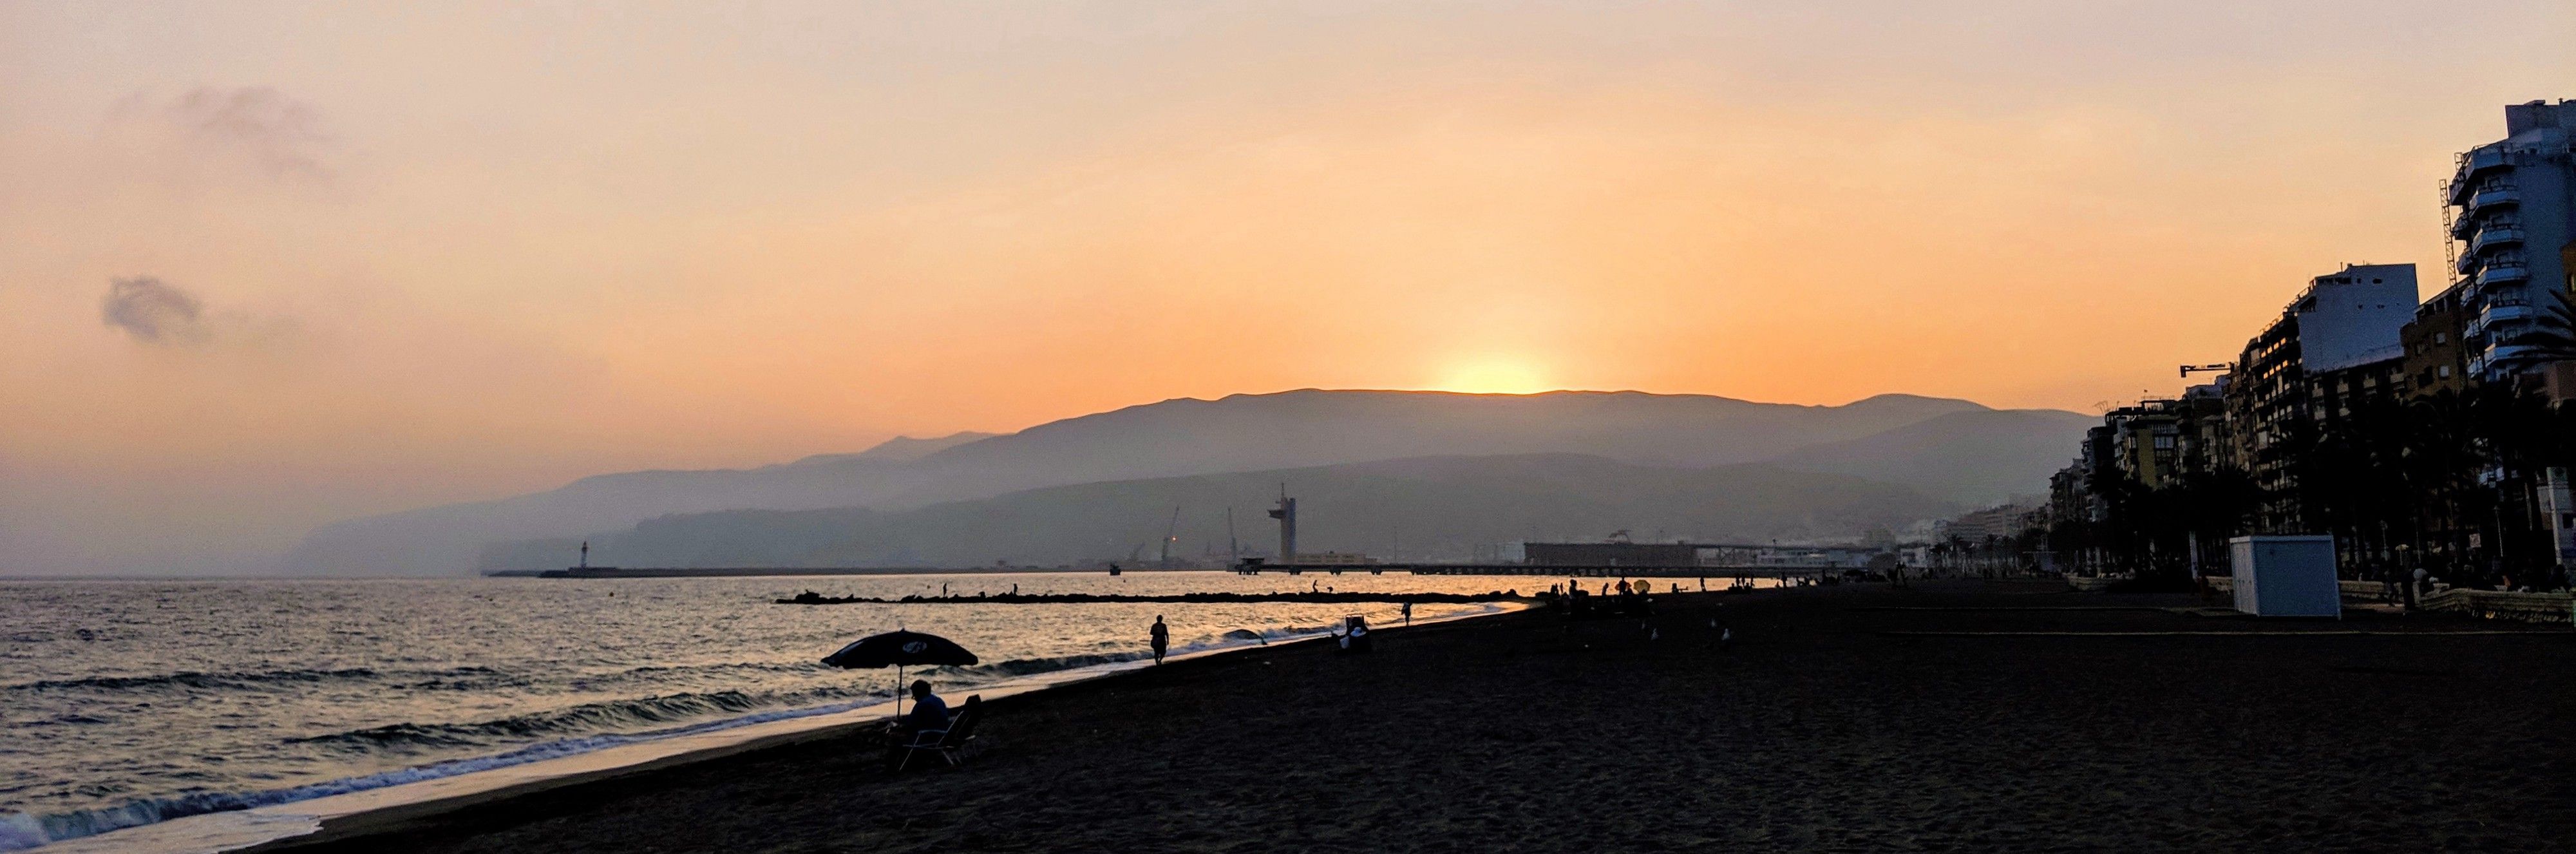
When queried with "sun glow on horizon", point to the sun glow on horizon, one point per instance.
{"points": [[1496, 376]]}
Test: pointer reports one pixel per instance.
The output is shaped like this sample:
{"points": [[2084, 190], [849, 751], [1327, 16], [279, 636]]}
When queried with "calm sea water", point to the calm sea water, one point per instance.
{"points": [[129, 702]]}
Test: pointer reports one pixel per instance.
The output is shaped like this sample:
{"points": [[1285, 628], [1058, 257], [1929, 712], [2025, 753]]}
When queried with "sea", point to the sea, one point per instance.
{"points": [[129, 703]]}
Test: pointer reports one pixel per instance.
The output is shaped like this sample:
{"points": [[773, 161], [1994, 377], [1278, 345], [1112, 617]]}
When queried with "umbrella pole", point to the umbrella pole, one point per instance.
{"points": [[898, 692]]}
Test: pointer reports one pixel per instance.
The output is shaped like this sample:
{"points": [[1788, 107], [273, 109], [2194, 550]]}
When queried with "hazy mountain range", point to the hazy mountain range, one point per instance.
{"points": [[1948, 453], [1420, 507]]}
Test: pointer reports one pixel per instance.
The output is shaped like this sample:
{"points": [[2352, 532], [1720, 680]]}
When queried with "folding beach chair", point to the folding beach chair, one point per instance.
{"points": [[947, 744]]}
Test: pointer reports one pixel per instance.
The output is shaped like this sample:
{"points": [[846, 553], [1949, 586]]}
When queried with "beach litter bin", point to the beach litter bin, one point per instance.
{"points": [[2285, 576]]}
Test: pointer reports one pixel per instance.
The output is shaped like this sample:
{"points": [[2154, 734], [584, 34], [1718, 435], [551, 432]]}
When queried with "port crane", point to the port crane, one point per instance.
{"points": [[2188, 370]]}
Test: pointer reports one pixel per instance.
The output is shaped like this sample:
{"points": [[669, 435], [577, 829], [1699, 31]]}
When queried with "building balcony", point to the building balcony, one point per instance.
{"points": [[2503, 356], [2502, 274], [2484, 159], [2494, 235], [2494, 197], [2473, 164], [2499, 314], [2472, 220]]}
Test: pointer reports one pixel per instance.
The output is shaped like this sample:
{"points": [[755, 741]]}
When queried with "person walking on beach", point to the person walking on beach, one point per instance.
{"points": [[1162, 635], [1408, 613]]}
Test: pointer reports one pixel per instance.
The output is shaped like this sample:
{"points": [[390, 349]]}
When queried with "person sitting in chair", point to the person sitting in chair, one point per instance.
{"points": [[928, 712]]}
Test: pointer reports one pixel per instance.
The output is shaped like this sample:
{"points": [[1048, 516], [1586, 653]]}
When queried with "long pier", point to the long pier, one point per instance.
{"points": [[1602, 571], [790, 571], [811, 598]]}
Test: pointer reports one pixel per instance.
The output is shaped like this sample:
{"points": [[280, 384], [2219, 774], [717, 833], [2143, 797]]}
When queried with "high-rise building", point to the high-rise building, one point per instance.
{"points": [[2512, 211], [2337, 342]]}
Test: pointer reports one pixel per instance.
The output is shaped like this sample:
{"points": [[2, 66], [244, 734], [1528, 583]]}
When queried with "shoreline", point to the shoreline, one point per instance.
{"points": [[256, 827], [1813, 730]]}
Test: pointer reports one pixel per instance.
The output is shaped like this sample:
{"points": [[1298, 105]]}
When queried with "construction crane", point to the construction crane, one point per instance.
{"points": [[2188, 370], [1171, 534]]}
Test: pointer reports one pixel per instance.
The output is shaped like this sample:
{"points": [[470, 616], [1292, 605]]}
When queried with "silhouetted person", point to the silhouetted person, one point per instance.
{"points": [[1162, 635], [1408, 613], [928, 711]]}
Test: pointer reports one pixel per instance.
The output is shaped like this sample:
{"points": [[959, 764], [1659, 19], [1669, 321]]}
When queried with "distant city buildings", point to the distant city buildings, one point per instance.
{"points": [[2419, 434], [2001, 522]]}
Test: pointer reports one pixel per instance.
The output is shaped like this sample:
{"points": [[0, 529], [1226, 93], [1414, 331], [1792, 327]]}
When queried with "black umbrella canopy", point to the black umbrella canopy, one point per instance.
{"points": [[900, 649]]}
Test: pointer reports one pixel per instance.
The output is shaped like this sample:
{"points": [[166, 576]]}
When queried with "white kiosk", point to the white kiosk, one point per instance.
{"points": [[2286, 576]]}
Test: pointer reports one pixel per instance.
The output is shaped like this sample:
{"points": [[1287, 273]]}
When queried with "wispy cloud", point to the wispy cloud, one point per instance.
{"points": [[154, 312], [256, 128]]}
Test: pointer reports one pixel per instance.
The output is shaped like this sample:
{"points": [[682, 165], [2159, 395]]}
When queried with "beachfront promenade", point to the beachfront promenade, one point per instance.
{"points": [[1951, 716]]}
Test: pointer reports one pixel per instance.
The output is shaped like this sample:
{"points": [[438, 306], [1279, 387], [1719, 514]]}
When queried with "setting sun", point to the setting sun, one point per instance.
{"points": [[1496, 376]]}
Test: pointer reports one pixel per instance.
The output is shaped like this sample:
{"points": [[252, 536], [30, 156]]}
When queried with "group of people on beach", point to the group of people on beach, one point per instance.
{"points": [[1629, 599]]}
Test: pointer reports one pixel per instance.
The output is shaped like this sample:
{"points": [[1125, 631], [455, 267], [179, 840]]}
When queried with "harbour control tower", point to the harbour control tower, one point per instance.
{"points": [[1286, 513]]}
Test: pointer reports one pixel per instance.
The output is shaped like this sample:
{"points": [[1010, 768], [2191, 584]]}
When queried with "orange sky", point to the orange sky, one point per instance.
{"points": [[448, 252]]}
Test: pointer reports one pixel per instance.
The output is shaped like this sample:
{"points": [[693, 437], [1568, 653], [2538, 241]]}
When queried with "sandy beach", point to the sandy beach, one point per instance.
{"points": [[1949, 716]]}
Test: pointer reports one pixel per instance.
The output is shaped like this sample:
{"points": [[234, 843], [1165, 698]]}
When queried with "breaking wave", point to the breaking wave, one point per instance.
{"points": [[610, 715]]}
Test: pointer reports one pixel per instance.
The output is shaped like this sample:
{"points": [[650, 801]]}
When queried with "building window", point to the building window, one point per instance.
{"points": [[2441, 338], [2444, 370]]}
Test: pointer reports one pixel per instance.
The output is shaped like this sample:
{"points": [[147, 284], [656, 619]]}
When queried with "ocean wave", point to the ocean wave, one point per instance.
{"points": [[195, 679], [1027, 666], [724, 667], [22, 830], [607, 715]]}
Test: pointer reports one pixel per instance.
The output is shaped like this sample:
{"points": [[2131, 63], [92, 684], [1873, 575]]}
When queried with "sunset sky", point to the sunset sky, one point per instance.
{"points": [[435, 252]]}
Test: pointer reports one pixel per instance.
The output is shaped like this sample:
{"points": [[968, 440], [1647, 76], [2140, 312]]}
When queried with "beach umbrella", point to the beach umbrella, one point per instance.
{"points": [[898, 649]]}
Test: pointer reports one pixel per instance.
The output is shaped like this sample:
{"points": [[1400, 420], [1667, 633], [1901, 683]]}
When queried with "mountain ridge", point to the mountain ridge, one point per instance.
{"points": [[1426, 508], [1172, 438]]}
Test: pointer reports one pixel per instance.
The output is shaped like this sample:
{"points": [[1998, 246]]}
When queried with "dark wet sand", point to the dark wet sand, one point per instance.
{"points": [[1818, 731]]}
